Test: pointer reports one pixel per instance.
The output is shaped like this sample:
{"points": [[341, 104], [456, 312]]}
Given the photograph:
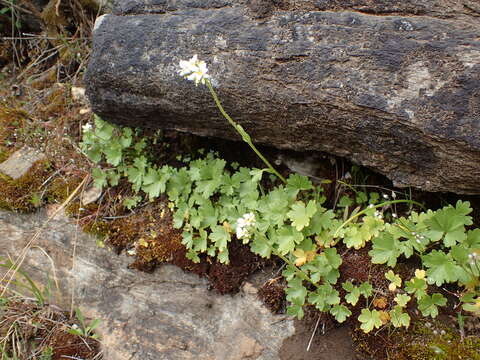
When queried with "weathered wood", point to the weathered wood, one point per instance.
{"points": [[393, 85]]}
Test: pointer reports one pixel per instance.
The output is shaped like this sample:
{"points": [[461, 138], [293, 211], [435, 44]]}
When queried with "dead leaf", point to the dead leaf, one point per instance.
{"points": [[380, 303], [384, 317]]}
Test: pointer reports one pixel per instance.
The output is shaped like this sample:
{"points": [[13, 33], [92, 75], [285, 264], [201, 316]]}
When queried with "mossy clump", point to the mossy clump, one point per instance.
{"points": [[423, 340], [147, 234], [60, 188], [435, 340], [272, 293], [25, 193]]}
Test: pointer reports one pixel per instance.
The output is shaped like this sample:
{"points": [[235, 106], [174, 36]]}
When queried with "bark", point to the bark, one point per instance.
{"points": [[392, 85]]}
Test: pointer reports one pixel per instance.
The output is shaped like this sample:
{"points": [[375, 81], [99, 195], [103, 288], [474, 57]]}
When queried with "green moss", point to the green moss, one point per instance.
{"points": [[425, 339], [22, 194], [434, 340]]}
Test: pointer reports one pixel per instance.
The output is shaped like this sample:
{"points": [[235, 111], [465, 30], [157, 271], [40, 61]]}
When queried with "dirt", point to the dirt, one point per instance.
{"points": [[327, 344]]}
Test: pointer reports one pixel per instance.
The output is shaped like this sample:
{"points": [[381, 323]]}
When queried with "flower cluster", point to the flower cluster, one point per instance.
{"points": [[245, 226], [194, 70]]}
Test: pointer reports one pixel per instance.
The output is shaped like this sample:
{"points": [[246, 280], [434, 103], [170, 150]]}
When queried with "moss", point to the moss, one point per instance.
{"points": [[61, 188], [423, 340], [11, 119], [22, 194], [435, 340]]}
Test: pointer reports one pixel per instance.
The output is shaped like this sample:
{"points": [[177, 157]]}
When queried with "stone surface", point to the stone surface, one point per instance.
{"points": [[165, 315], [20, 162], [392, 84]]}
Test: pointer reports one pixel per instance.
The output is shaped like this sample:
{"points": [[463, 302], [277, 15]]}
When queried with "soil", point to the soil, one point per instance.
{"points": [[327, 344]]}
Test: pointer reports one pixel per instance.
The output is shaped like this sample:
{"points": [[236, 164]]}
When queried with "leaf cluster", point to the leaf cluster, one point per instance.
{"points": [[208, 197]]}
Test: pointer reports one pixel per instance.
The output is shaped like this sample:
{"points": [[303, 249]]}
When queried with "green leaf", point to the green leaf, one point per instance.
{"points": [[220, 236], [353, 296], [94, 153], [274, 205], [399, 318], [451, 222], [105, 131], [200, 241], [324, 266], [208, 214], [187, 239], [402, 300], [179, 184], [369, 320], [321, 220], [296, 292], [334, 260], [131, 201], [353, 237], [113, 177], [296, 182], [348, 286], [393, 278], [441, 268], [257, 174], [286, 238], [428, 304], [295, 310], [340, 312], [416, 286], [460, 253], [361, 197], [223, 256], [113, 153], [473, 238], [261, 246], [289, 272], [300, 214], [99, 178], [323, 297], [345, 201], [385, 249], [366, 289], [154, 182]]}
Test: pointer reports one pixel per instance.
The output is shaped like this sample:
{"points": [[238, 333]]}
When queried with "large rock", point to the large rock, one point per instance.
{"points": [[393, 85], [167, 315]]}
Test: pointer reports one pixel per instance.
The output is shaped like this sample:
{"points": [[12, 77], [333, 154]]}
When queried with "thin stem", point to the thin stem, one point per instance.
{"points": [[242, 132], [373, 207], [300, 272]]}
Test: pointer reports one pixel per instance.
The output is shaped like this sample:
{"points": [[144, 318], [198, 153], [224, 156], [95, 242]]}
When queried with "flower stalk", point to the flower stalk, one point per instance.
{"points": [[196, 70]]}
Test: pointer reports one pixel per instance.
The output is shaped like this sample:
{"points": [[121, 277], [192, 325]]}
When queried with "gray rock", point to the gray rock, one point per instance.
{"points": [[165, 315], [20, 162], [392, 85]]}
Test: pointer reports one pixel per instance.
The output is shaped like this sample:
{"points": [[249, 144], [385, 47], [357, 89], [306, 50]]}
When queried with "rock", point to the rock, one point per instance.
{"points": [[392, 85], [20, 162], [165, 315]]}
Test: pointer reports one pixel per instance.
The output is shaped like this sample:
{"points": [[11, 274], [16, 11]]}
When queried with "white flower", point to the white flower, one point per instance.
{"points": [[244, 226], [87, 127], [194, 70]]}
